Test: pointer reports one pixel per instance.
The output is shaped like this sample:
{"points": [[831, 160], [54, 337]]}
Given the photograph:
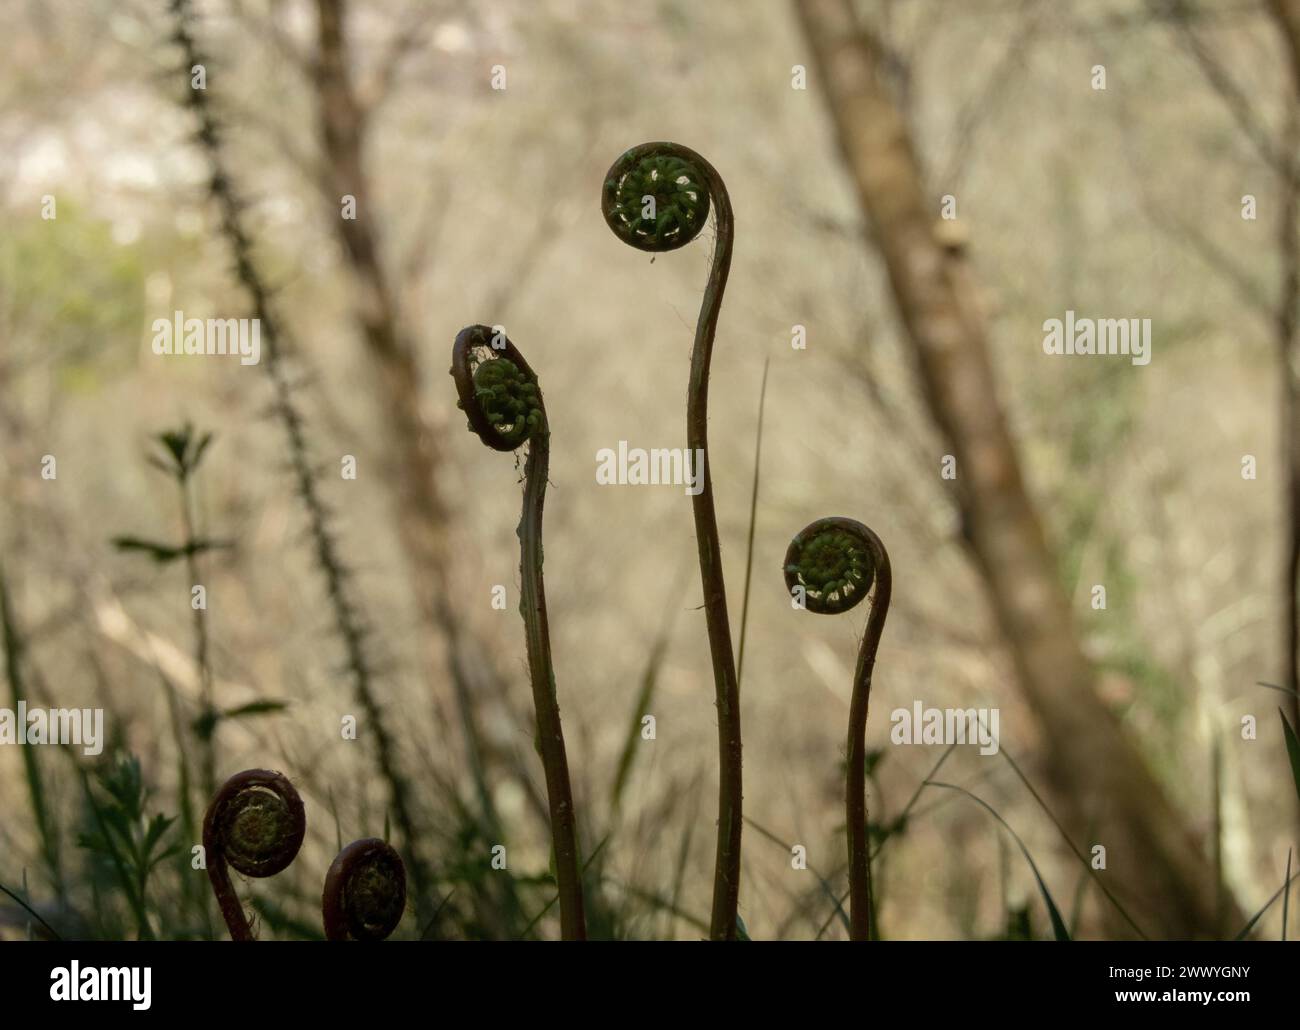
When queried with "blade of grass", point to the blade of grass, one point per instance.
{"points": [[658, 903], [551, 904], [1286, 894], [683, 857], [826, 887], [1070, 843], [753, 520], [1058, 924], [32, 771], [1284, 889], [31, 912], [1080, 893], [645, 695], [899, 822], [1292, 750], [196, 898], [433, 919], [1076, 905]]}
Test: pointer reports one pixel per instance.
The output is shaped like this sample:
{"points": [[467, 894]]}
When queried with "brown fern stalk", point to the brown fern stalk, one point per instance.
{"points": [[829, 568], [254, 824], [499, 394], [656, 197]]}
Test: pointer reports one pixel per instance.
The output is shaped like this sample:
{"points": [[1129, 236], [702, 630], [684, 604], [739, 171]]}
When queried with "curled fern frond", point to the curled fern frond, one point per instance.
{"points": [[655, 197], [499, 394], [496, 388], [256, 824], [365, 892], [836, 562], [833, 562]]}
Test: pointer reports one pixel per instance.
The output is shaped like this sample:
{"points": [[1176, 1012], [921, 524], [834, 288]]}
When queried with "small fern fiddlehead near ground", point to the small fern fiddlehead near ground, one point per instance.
{"points": [[830, 567], [657, 197], [365, 892], [499, 394], [255, 824]]}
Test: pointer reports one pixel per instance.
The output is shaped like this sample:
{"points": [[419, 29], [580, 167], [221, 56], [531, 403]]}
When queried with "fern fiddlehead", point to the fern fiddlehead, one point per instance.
{"points": [[499, 394], [365, 892], [830, 566], [656, 197], [255, 824]]}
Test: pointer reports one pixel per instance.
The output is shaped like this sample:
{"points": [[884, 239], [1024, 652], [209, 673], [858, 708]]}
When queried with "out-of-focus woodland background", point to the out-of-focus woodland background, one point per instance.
{"points": [[924, 339]]}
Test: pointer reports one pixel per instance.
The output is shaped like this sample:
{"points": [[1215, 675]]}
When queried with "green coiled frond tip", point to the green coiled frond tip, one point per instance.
{"points": [[656, 197], [496, 388], [833, 562], [510, 401]]}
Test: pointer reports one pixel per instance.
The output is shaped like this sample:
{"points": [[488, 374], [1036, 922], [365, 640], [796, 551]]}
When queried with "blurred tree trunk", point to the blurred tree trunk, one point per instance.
{"points": [[1287, 15], [1103, 791]]}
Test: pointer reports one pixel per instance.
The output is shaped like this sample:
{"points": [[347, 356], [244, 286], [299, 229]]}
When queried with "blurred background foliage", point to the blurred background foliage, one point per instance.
{"points": [[484, 208]]}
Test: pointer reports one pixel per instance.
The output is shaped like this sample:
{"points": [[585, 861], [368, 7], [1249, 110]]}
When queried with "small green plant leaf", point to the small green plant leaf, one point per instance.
{"points": [[267, 707], [124, 835], [170, 851], [206, 722], [199, 448], [160, 553], [177, 443], [166, 553], [184, 450]]}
